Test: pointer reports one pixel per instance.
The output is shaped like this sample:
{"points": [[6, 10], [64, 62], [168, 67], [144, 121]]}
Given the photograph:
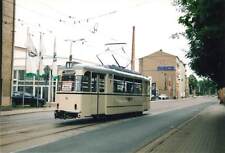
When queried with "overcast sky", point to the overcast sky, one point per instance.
{"points": [[100, 22]]}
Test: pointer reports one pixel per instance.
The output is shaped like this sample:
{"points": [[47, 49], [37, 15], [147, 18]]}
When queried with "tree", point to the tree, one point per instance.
{"points": [[205, 29], [193, 83], [47, 72], [206, 87]]}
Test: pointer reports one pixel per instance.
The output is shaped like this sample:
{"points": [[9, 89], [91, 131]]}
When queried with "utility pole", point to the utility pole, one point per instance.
{"points": [[39, 67], [133, 50]]}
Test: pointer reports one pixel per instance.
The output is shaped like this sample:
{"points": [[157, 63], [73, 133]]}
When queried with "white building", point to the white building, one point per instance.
{"points": [[43, 88]]}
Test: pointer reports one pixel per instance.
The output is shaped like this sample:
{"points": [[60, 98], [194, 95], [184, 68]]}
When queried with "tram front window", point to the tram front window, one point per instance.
{"points": [[68, 77], [76, 82]]}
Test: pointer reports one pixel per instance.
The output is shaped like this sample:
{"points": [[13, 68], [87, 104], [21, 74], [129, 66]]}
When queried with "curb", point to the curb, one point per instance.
{"points": [[20, 112]]}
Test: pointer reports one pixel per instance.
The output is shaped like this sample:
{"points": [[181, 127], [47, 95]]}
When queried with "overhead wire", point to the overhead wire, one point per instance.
{"points": [[59, 19]]}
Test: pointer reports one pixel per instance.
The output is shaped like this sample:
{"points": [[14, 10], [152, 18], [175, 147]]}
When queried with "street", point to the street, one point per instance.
{"points": [[40, 132]]}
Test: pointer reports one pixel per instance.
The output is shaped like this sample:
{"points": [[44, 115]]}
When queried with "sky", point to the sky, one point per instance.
{"points": [[99, 22]]}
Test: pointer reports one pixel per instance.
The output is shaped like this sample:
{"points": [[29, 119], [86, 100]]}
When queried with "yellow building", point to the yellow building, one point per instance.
{"points": [[6, 53], [167, 71]]}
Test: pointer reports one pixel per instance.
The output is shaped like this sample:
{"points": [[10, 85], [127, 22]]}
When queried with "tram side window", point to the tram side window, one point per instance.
{"points": [[118, 84], [94, 82], [129, 86], [78, 82], [85, 85], [137, 86], [101, 83], [147, 87]]}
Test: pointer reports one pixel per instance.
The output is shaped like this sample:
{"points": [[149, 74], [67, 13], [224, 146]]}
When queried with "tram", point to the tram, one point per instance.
{"points": [[95, 91]]}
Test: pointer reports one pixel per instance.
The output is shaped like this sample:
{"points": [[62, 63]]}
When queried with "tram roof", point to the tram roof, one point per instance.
{"points": [[111, 69]]}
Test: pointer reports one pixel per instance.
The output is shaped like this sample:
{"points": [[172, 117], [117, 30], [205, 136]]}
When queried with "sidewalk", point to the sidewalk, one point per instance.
{"points": [[27, 110], [204, 133]]}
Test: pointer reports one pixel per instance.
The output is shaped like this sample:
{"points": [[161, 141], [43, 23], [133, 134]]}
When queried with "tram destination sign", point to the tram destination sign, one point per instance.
{"points": [[166, 68]]}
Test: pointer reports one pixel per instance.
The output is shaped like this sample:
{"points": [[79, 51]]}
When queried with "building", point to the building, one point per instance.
{"points": [[44, 88], [167, 71], [40, 87], [6, 53]]}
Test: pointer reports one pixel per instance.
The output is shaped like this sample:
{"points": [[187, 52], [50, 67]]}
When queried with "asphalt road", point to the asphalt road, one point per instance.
{"points": [[125, 136]]}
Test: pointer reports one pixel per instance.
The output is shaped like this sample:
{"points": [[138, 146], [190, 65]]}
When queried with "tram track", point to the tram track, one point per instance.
{"points": [[25, 139], [28, 134], [48, 134]]}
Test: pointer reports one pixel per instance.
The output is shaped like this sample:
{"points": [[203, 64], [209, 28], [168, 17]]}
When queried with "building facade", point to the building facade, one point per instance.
{"points": [[6, 53], [40, 87], [36, 86], [167, 71]]}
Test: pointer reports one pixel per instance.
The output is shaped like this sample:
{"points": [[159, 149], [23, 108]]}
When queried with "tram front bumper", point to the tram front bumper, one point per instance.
{"points": [[60, 114]]}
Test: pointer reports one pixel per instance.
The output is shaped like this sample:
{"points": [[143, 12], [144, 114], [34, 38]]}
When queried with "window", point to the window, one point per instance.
{"points": [[86, 82], [147, 87], [94, 82], [67, 83], [20, 88], [78, 79], [129, 85], [137, 86], [21, 74], [101, 83], [118, 84], [28, 90], [14, 74], [68, 77]]}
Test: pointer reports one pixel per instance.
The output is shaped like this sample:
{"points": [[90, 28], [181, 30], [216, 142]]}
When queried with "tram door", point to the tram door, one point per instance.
{"points": [[98, 88]]}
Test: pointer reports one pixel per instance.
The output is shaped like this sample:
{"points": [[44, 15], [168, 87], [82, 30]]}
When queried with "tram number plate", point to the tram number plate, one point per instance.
{"points": [[67, 86]]}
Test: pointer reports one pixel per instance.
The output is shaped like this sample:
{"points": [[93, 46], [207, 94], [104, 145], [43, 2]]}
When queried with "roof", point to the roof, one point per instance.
{"points": [[162, 53], [157, 53], [110, 70]]}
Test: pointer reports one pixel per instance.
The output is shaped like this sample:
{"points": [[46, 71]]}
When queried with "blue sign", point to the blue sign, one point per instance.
{"points": [[166, 68]]}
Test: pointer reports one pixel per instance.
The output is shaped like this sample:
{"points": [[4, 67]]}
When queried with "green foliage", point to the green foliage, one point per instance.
{"points": [[206, 87], [29, 75], [205, 29], [47, 72], [44, 76], [193, 83]]}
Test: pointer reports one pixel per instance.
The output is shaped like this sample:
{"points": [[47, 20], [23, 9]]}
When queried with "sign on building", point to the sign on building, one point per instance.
{"points": [[166, 68]]}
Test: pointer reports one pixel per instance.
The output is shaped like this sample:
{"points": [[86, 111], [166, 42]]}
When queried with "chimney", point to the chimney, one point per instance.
{"points": [[133, 50]]}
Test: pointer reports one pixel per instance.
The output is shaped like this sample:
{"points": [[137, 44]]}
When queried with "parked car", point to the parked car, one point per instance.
{"points": [[163, 96], [17, 99]]}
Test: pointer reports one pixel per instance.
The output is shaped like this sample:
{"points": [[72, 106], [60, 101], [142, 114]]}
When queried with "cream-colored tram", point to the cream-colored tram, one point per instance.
{"points": [[85, 90]]}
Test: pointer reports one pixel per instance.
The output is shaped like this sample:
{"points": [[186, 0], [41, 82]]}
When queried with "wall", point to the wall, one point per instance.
{"points": [[165, 80], [6, 56]]}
